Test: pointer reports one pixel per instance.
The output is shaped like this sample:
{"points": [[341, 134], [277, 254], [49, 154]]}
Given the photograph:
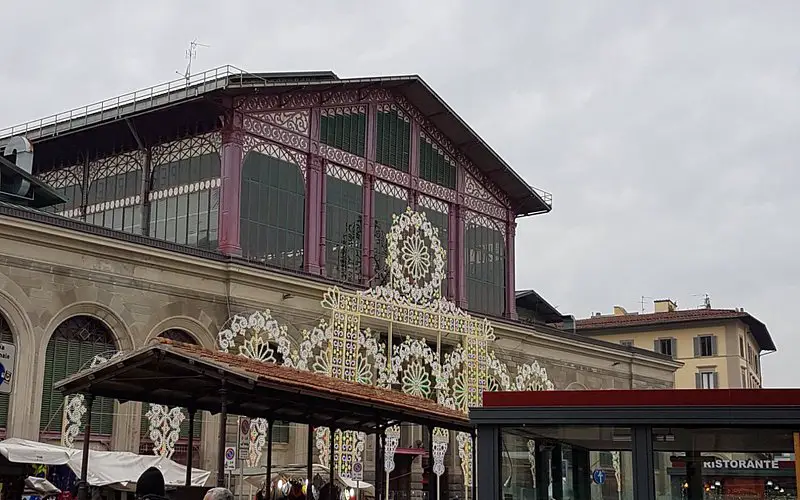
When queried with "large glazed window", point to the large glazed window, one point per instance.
{"points": [[68, 182], [388, 199], [485, 246], [437, 212], [71, 348], [272, 211], [115, 186], [344, 128], [184, 202], [393, 137], [343, 215], [7, 337], [434, 165]]}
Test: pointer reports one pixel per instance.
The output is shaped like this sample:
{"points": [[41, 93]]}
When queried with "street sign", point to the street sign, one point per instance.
{"points": [[599, 476], [358, 472], [244, 435], [230, 458], [8, 352]]}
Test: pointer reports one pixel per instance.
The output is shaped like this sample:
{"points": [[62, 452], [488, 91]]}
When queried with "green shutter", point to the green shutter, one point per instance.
{"points": [[393, 144], [434, 166], [345, 129], [5, 336]]}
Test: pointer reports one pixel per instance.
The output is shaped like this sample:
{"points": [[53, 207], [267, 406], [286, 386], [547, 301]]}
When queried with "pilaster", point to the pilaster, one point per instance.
{"points": [[314, 214], [230, 205], [366, 227], [510, 298]]}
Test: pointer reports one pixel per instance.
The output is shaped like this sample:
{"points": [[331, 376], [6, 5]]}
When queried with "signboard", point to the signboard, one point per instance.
{"points": [[230, 458], [244, 435], [741, 464], [358, 472], [599, 476], [8, 353]]}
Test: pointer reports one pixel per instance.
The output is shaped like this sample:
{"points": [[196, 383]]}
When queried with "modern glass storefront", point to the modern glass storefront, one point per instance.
{"points": [[633, 445]]}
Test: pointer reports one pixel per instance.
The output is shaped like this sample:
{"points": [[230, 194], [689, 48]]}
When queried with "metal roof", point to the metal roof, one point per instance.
{"points": [[39, 195], [525, 199], [175, 374]]}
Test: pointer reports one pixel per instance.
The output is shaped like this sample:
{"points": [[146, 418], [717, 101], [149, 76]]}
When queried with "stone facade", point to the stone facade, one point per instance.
{"points": [[49, 274]]}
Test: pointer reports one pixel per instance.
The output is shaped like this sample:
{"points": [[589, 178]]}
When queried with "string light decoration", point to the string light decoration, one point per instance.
{"points": [[165, 428], [411, 301]]}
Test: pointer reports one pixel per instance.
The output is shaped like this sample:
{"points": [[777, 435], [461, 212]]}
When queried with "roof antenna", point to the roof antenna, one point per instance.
{"points": [[191, 54], [644, 297]]}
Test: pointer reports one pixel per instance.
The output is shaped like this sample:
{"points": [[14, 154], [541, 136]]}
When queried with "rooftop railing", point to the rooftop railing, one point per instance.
{"points": [[132, 102]]}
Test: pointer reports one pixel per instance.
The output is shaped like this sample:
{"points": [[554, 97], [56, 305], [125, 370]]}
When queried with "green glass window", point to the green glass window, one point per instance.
{"points": [[485, 247], [343, 215], [393, 139], [435, 166], [344, 128], [437, 212], [71, 348], [272, 211], [7, 337], [119, 191], [186, 171], [387, 200], [72, 193]]}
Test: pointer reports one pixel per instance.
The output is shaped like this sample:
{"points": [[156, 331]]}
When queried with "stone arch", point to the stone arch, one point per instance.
{"points": [[193, 327], [116, 327], [21, 329], [576, 386]]}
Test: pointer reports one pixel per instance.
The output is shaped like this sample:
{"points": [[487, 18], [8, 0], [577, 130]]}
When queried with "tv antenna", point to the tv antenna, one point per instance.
{"points": [[706, 304], [643, 301], [191, 54]]}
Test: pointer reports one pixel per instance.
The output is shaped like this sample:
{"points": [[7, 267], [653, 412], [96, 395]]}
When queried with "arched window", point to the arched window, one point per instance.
{"points": [[8, 337], [272, 211], [177, 335], [485, 249], [71, 348]]}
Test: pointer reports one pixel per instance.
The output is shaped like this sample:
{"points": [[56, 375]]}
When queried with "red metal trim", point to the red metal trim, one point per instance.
{"points": [[411, 451], [640, 398]]}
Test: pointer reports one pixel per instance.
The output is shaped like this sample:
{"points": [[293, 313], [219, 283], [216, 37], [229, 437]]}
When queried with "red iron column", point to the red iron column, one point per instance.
{"points": [[229, 210]]}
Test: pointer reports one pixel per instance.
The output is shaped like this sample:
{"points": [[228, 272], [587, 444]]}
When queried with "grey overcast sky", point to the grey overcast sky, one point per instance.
{"points": [[667, 131]]}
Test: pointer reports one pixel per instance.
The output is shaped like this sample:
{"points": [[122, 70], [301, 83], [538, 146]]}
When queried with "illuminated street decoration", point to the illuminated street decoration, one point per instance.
{"points": [[256, 336], [411, 302], [75, 406], [165, 428]]}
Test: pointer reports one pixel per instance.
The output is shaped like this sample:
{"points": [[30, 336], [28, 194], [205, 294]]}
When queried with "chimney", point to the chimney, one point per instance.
{"points": [[620, 311], [665, 305], [568, 323]]}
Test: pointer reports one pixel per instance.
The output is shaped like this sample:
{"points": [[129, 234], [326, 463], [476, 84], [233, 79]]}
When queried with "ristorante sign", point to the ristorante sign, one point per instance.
{"points": [[741, 464]]}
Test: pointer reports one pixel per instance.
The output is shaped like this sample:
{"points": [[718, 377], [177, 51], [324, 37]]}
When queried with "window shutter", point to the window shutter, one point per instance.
{"points": [[716, 380], [696, 346], [674, 347], [698, 380], [656, 346], [713, 345]]}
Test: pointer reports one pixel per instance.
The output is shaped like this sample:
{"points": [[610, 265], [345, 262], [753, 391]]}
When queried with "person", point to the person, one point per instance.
{"points": [[218, 494], [150, 485]]}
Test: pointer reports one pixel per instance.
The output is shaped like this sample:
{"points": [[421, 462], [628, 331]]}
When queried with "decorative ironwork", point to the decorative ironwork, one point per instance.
{"points": [[189, 147], [253, 143], [478, 219], [296, 120], [433, 204], [342, 157], [276, 134], [344, 174]]}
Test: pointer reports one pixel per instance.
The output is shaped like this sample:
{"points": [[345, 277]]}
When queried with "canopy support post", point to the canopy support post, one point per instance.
{"points": [[433, 490], [332, 464], [190, 450], [83, 486], [268, 473], [223, 429], [474, 485], [310, 462]]}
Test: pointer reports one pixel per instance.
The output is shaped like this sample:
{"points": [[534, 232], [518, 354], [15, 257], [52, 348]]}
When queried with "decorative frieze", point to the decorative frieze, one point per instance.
{"points": [[274, 133], [479, 219], [259, 145], [249, 104], [190, 147], [296, 120], [343, 157], [392, 175], [436, 190]]}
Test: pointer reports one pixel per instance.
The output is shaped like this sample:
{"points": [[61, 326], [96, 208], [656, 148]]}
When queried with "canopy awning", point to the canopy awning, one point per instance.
{"points": [[175, 374], [106, 468]]}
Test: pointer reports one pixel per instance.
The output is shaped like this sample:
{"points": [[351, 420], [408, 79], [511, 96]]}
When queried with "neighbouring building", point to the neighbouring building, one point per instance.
{"points": [[178, 207], [719, 348]]}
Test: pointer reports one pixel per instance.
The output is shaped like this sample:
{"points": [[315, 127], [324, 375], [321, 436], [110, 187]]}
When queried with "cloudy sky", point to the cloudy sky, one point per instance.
{"points": [[666, 131]]}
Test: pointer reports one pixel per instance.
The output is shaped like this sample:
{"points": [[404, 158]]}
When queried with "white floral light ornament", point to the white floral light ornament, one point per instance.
{"points": [[441, 438], [165, 428], [250, 336]]}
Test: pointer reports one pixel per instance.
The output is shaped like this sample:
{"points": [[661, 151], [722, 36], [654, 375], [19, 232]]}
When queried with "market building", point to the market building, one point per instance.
{"points": [[236, 211]]}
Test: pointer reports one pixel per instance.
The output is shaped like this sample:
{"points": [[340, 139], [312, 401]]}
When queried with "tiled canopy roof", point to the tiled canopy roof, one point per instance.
{"points": [[184, 374], [758, 329]]}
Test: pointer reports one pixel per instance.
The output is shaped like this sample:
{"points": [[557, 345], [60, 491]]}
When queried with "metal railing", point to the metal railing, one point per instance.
{"points": [[546, 197], [139, 100]]}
